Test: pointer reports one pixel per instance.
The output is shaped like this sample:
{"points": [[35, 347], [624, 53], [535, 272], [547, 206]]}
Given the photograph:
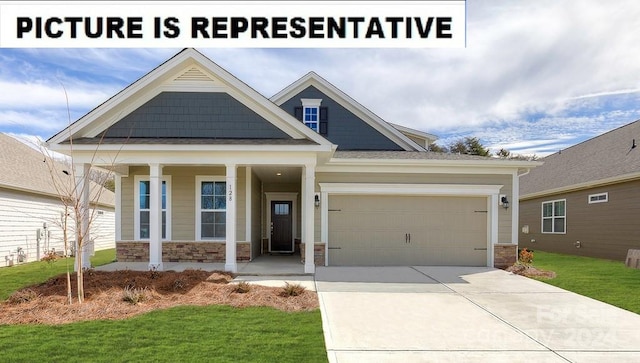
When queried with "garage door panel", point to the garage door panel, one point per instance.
{"points": [[372, 230]]}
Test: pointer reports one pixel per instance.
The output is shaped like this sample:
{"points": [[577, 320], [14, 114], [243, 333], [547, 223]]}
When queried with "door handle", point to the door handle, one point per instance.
{"points": [[409, 237], [406, 237]]}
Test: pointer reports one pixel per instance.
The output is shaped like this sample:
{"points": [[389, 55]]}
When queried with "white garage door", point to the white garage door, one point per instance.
{"points": [[366, 230]]}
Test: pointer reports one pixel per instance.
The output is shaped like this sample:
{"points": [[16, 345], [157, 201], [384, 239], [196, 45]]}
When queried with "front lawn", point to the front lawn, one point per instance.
{"points": [[183, 334], [16, 277], [604, 280]]}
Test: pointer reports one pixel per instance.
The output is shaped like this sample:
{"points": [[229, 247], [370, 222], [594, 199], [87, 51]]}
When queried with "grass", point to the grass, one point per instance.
{"points": [[608, 281], [182, 334], [16, 277]]}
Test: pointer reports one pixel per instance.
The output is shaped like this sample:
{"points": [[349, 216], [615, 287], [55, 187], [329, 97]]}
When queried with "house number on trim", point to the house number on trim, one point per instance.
{"points": [[230, 194]]}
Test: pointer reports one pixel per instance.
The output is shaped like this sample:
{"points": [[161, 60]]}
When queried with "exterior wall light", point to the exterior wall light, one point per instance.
{"points": [[317, 200], [504, 201]]}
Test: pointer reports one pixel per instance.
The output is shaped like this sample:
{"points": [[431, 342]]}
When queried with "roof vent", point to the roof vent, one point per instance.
{"points": [[194, 74], [633, 144]]}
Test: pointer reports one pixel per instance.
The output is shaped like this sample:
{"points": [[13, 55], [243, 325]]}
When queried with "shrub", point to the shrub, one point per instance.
{"points": [[23, 296], [242, 287], [292, 290], [525, 257], [50, 257], [134, 295]]}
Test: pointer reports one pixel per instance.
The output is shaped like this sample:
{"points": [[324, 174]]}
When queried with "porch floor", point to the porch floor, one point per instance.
{"points": [[265, 265]]}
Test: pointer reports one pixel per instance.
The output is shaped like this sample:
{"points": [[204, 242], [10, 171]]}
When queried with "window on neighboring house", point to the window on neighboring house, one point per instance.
{"points": [[211, 208], [554, 216], [312, 115], [143, 205], [599, 198]]}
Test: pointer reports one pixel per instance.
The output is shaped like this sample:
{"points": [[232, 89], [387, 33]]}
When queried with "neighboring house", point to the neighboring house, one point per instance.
{"points": [[210, 170], [31, 210], [585, 200]]}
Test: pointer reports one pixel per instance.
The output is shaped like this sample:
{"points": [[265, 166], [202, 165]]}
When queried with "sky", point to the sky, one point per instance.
{"points": [[535, 77]]}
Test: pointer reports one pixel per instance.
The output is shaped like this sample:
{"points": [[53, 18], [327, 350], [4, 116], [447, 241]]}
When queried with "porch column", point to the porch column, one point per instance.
{"points": [[231, 264], [83, 186], [155, 217], [118, 217], [308, 237]]}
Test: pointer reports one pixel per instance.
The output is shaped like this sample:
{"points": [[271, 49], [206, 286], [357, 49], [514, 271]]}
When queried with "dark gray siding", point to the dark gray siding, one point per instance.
{"points": [[195, 115], [344, 128], [605, 230]]}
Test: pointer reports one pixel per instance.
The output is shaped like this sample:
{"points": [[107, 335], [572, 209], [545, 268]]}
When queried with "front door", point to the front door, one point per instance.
{"points": [[281, 220]]}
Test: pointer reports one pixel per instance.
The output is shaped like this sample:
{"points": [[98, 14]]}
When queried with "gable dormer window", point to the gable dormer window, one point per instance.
{"points": [[313, 115], [311, 118]]}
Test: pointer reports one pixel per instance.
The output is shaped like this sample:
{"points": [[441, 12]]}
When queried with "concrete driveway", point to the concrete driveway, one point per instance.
{"points": [[453, 314]]}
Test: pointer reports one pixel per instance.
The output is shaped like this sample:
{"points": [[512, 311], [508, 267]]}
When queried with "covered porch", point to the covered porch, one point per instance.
{"points": [[226, 216]]}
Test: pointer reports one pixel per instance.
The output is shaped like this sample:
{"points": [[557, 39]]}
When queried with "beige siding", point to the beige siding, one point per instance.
{"points": [[504, 215], [605, 230], [183, 199], [256, 212], [241, 205]]}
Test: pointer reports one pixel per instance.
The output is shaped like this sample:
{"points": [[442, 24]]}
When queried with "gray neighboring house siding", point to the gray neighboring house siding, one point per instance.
{"points": [[344, 128], [609, 163], [605, 230], [195, 115]]}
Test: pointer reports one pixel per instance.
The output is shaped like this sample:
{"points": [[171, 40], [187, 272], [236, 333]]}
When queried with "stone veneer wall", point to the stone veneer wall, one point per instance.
{"points": [[504, 255], [318, 253], [138, 251]]}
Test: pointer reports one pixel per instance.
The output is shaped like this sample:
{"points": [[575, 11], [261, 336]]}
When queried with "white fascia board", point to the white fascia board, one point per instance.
{"points": [[412, 162], [104, 158], [313, 79], [410, 189], [414, 132], [67, 148], [583, 186], [417, 169]]}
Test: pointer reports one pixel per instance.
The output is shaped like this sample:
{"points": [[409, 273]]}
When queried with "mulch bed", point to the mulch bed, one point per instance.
{"points": [[530, 271], [46, 303]]}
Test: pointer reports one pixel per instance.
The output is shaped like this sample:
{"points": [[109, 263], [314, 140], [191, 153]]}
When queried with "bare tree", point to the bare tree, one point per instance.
{"points": [[78, 194]]}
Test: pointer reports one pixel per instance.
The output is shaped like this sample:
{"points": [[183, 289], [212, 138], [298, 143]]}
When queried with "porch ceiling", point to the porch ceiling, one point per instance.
{"points": [[269, 174]]}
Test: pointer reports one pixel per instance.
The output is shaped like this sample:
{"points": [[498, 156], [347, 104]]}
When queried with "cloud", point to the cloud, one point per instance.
{"points": [[535, 75]]}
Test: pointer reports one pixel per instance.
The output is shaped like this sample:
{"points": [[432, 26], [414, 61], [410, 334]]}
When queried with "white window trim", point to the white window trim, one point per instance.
{"points": [[311, 103], [605, 200], [199, 180], [542, 217], [136, 203]]}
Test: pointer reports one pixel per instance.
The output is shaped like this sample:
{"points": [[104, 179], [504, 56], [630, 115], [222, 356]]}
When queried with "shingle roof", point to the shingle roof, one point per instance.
{"points": [[24, 168], [406, 155], [607, 156]]}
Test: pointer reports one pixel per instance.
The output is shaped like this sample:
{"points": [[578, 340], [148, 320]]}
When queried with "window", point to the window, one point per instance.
{"points": [[143, 204], [311, 118], [554, 216], [313, 115], [211, 208], [599, 198]]}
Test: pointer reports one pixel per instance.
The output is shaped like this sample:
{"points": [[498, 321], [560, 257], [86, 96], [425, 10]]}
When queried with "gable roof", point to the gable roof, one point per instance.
{"points": [[313, 79], [608, 158], [24, 168], [188, 70]]}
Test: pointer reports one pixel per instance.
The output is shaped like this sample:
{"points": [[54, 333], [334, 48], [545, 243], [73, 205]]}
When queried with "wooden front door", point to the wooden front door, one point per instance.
{"points": [[281, 221]]}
